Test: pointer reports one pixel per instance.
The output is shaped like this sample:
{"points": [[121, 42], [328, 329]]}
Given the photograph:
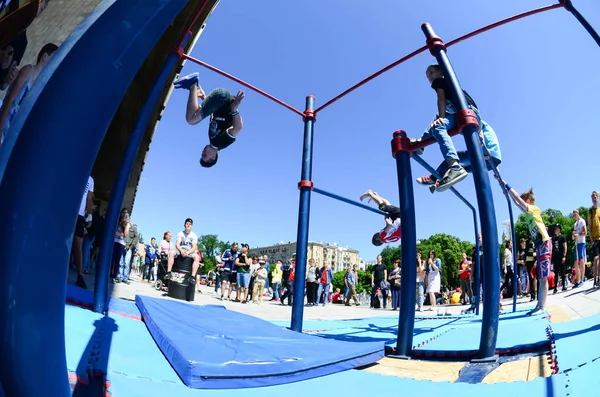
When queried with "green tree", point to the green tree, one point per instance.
{"points": [[210, 245], [449, 249], [389, 254], [338, 280]]}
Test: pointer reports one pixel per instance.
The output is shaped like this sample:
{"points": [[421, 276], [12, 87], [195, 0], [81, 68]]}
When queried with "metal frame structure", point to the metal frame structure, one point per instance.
{"points": [[32, 336]]}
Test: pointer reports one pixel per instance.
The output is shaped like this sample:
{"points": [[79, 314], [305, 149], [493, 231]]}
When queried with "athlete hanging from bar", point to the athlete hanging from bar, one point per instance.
{"points": [[222, 107], [392, 232], [456, 165]]}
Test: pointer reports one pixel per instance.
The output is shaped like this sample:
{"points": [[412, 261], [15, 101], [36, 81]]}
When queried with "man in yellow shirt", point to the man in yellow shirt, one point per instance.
{"points": [[541, 241], [594, 225]]}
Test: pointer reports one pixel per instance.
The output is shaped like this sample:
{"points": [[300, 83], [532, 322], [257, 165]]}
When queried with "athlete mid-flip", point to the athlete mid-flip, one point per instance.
{"points": [[392, 232], [221, 106]]}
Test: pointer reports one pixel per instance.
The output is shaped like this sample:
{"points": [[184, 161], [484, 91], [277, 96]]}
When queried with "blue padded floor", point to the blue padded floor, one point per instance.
{"points": [[576, 342], [212, 347], [376, 329], [350, 383], [517, 333]]}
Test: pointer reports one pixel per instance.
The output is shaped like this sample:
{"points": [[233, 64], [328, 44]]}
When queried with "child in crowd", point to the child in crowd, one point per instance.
{"points": [[260, 275], [456, 165], [222, 107], [392, 232], [541, 240]]}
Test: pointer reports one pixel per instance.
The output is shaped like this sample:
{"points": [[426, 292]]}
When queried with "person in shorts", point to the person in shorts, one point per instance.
{"points": [[222, 107], [392, 231], [594, 226], [541, 240], [579, 234], [229, 275]]}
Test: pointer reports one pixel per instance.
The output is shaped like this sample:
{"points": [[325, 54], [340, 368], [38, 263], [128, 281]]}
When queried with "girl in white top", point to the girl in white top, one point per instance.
{"points": [[434, 278], [420, 281]]}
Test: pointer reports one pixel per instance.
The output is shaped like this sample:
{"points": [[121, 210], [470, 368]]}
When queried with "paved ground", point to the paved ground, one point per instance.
{"points": [[572, 304]]}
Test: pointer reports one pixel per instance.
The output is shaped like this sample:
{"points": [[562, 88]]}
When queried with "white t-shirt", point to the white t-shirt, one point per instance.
{"points": [[89, 187], [579, 225], [187, 241]]}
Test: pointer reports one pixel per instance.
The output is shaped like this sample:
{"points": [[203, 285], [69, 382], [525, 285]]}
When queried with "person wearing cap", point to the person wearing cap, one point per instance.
{"points": [[222, 108], [260, 276], [186, 244], [242, 265], [392, 232], [559, 256]]}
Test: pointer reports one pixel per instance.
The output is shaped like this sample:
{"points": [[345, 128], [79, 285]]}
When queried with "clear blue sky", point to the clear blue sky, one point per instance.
{"points": [[536, 81]]}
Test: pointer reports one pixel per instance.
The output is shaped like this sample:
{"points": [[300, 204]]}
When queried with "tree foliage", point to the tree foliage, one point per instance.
{"points": [[448, 248], [364, 281], [210, 246]]}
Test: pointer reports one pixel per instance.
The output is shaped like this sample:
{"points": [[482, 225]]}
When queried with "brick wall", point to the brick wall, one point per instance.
{"points": [[55, 24]]}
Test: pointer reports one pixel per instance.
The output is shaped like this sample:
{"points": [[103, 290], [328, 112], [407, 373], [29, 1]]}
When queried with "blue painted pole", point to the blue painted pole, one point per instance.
{"points": [[568, 4], [45, 162], [117, 192], [485, 201], [303, 216], [348, 201], [406, 321], [476, 269]]}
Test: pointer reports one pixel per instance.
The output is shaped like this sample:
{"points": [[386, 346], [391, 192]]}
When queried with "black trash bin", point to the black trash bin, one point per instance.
{"points": [[179, 284]]}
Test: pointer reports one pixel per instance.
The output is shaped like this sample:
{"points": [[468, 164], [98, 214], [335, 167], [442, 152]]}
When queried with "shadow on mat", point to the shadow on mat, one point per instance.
{"points": [[563, 335], [93, 365], [387, 335]]}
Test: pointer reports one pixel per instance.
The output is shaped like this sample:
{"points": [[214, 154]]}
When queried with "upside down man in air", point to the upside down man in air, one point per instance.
{"points": [[392, 232]]}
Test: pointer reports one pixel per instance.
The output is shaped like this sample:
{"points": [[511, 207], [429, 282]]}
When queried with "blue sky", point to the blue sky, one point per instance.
{"points": [[535, 81]]}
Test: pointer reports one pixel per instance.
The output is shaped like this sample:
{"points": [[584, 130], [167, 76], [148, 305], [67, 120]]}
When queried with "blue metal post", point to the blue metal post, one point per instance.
{"points": [[477, 269], [571, 8], [406, 321], [348, 201], [120, 184], [45, 162], [485, 201], [303, 216]]}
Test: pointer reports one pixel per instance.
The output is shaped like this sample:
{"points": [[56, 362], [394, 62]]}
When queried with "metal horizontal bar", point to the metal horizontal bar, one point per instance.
{"points": [[349, 201]]}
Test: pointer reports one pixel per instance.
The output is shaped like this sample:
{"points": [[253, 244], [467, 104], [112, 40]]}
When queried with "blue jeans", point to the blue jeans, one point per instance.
{"points": [[323, 287], [243, 280], [346, 291], [395, 297], [125, 264], [440, 134], [276, 290], [214, 101], [86, 247], [420, 293]]}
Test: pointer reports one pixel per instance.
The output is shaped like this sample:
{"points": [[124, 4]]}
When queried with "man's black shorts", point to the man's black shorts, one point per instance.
{"points": [[596, 248], [393, 211], [80, 226]]}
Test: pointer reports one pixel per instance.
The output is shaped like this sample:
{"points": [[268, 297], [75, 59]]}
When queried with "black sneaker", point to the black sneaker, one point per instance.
{"points": [[418, 151], [81, 282], [168, 276], [453, 176]]}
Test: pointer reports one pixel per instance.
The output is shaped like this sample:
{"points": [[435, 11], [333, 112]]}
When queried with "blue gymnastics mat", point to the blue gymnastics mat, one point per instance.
{"points": [[350, 383], [211, 347], [576, 342], [517, 333]]}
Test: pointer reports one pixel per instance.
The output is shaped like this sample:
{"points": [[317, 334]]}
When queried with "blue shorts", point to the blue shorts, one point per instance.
{"points": [[580, 251], [243, 280]]}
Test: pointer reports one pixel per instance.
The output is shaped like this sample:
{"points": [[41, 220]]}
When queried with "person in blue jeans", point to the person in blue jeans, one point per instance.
{"points": [[325, 277], [222, 107], [456, 165], [151, 259]]}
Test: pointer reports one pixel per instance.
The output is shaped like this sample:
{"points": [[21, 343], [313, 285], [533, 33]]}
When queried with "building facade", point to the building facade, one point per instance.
{"points": [[339, 257]]}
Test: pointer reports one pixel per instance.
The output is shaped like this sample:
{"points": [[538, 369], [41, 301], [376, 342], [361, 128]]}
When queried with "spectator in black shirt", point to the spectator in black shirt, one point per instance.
{"points": [[378, 278], [559, 256]]}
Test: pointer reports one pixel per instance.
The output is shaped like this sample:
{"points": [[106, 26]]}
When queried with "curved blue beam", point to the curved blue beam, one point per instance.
{"points": [[349, 201], [45, 161], [485, 202]]}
